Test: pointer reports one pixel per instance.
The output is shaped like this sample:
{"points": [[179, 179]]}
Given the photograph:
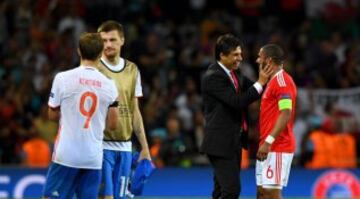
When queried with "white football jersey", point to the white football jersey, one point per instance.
{"points": [[84, 95]]}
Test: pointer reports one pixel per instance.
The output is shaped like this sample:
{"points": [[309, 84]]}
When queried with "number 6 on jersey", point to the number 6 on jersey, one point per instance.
{"points": [[88, 113]]}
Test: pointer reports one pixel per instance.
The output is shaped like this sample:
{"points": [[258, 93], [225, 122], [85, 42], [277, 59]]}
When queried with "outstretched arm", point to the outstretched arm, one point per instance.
{"points": [[140, 131], [216, 84]]}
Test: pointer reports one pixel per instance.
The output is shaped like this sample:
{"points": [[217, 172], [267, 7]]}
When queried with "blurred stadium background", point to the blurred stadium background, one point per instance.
{"points": [[172, 41]]}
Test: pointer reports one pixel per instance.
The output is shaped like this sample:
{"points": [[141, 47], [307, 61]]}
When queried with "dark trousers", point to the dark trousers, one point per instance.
{"points": [[226, 176]]}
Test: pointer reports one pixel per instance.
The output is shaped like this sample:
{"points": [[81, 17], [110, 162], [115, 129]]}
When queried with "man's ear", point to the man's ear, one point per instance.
{"points": [[221, 56], [122, 40], [269, 61]]}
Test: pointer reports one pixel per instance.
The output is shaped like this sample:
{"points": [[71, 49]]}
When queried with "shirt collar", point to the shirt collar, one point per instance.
{"points": [[227, 71], [117, 67], [277, 73], [89, 67]]}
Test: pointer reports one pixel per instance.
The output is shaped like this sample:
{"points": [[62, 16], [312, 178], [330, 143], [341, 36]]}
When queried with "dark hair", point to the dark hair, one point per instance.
{"points": [[225, 44], [90, 46], [110, 25], [275, 52]]}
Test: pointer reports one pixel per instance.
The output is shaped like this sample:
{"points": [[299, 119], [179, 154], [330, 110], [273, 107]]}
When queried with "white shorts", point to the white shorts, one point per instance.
{"points": [[273, 173]]}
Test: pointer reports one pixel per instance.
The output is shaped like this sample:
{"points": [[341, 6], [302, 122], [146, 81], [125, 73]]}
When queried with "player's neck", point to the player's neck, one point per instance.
{"points": [[112, 60], [276, 71], [89, 63]]}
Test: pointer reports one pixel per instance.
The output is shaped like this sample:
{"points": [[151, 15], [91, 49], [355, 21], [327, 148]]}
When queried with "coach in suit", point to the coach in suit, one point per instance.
{"points": [[226, 96]]}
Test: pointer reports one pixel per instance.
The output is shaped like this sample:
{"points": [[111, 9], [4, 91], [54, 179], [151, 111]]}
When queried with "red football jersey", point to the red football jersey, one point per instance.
{"points": [[281, 86]]}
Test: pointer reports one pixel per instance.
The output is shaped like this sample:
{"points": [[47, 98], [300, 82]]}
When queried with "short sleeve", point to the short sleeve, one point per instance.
{"points": [[55, 93], [284, 97], [138, 87]]}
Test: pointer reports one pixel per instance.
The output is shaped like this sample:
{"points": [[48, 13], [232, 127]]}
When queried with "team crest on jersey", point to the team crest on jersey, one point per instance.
{"points": [[337, 184]]}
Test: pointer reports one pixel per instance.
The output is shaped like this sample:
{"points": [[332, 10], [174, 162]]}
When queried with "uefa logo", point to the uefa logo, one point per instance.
{"points": [[336, 184]]}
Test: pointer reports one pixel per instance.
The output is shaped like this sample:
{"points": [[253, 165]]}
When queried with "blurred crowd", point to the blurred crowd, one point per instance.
{"points": [[172, 43]]}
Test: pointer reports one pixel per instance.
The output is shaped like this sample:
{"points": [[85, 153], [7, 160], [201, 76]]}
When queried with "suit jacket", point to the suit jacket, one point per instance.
{"points": [[223, 111]]}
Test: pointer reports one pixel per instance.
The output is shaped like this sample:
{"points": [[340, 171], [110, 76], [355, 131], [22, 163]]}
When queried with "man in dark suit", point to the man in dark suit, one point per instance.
{"points": [[226, 96]]}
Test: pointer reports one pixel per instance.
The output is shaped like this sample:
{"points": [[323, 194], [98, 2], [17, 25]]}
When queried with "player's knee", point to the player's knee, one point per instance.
{"points": [[271, 194], [260, 193]]}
